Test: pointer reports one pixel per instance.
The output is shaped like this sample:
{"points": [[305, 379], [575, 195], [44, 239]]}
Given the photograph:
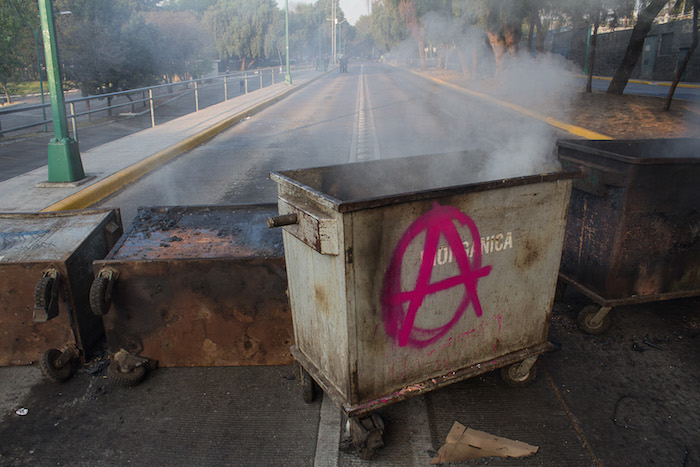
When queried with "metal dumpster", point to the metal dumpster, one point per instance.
{"points": [[633, 233], [409, 274], [45, 275], [194, 286]]}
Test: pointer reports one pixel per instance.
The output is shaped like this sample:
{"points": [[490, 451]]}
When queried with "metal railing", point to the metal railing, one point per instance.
{"points": [[206, 91]]}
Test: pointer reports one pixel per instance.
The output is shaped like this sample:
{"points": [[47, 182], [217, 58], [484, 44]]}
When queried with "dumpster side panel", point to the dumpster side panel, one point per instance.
{"points": [[424, 310], [319, 306], [22, 341], [661, 250], [201, 312]]}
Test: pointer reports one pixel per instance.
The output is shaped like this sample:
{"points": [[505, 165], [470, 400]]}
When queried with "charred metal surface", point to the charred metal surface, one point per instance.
{"points": [[30, 245], [201, 286], [633, 231], [370, 184]]}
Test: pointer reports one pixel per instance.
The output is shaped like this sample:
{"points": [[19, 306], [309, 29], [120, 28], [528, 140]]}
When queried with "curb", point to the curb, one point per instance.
{"points": [[573, 129], [113, 183]]}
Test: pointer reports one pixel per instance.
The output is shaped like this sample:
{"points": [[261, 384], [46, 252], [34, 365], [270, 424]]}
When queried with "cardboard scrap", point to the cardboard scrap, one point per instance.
{"points": [[463, 443]]}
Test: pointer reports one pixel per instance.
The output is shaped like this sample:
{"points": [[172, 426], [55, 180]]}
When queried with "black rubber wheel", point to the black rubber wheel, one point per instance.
{"points": [[54, 373], [508, 374], [125, 379], [308, 387], [42, 296], [585, 321], [98, 291]]}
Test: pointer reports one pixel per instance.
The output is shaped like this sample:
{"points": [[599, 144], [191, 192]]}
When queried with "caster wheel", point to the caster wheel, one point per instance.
{"points": [[98, 296], [586, 324], [45, 305], [48, 364], [510, 376], [125, 379]]}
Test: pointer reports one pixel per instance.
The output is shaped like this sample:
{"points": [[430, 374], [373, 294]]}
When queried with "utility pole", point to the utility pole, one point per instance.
{"points": [[287, 75], [65, 164]]}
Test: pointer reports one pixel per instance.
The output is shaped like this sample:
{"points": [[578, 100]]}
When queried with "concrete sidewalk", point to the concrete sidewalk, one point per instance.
{"points": [[112, 165]]}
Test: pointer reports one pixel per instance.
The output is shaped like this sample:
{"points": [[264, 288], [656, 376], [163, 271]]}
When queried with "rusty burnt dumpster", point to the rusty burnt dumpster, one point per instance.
{"points": [[633, 232], [45, 275], [194, 286], [403, 278]]}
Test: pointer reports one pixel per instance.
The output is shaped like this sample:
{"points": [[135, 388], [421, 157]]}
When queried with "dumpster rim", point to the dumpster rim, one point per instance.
{"points": [[419, 195], [581, 145]]}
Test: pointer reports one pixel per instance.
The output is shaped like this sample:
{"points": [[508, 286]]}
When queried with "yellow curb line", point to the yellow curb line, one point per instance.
{"points": [[650, 83], [112, 183], [573, 129]]}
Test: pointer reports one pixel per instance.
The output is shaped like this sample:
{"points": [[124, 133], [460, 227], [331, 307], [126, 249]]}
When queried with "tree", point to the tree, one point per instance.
{"points": [[387, 30], [17, 45], [684, 64], [183, 41], [243, 29], [634, 48]]}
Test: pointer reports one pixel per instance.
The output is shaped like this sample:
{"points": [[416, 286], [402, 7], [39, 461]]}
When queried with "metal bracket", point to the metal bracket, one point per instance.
{"points": [[597, 319], [525, 367], [128, 362], [68, 353], [111, 275]]}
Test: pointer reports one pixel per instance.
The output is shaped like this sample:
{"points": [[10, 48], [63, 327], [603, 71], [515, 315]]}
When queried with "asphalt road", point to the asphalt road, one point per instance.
{"points": [[372, 112]]}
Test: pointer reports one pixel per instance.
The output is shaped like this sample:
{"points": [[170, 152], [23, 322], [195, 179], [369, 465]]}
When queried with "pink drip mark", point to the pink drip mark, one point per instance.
{"points": [[400, 323]]}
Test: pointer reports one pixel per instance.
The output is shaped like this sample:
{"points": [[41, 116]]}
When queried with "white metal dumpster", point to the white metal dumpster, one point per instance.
{"points": [[401, 282]]}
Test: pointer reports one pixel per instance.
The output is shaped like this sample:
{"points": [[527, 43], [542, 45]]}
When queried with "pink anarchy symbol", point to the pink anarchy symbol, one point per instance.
{"points": [[399, 323]]}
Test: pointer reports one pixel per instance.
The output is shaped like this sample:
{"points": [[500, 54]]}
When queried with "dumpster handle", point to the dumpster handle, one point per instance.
{"points": [[279, 221]]}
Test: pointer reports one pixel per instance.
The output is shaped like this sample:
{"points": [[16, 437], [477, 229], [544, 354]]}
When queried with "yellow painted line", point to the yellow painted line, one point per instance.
{"points": [[650, 83], [573, 129], [113, 183]]}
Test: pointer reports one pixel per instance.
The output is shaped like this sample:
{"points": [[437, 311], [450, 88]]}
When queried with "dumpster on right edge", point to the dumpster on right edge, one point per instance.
{"points": [[633, 226]]}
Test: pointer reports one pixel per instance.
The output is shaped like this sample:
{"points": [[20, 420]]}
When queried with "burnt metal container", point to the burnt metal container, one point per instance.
{"points": [[633, 232], [45, 275], [197, 286], [409, 274]]}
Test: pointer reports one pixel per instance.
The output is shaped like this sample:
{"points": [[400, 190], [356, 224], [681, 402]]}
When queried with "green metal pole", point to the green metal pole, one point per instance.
{"points": [[288, 75], [65, 164], [41, 83]]}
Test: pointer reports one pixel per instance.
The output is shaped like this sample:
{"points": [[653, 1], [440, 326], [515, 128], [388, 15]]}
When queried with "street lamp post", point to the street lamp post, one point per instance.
{"points": [[65, 164], [41, 83], [287, 75]]}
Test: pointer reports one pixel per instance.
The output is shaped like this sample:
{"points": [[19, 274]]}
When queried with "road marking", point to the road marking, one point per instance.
{"points": [[329, 430], [364, 144]]}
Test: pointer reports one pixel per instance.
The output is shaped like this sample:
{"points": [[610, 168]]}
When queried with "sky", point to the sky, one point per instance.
{"points": [[353, 8]]}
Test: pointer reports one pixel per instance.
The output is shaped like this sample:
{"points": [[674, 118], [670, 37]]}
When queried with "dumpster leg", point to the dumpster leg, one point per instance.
{"points": [[520, 374], [594, 320], [367, 435]]}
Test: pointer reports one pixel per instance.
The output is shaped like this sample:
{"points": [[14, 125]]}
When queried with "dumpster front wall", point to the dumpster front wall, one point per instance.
{"points": [[520, 233], [201, 312]]}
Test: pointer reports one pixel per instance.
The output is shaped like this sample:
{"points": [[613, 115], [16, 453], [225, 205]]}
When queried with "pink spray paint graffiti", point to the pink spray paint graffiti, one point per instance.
{"points": [[399, 322]]}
